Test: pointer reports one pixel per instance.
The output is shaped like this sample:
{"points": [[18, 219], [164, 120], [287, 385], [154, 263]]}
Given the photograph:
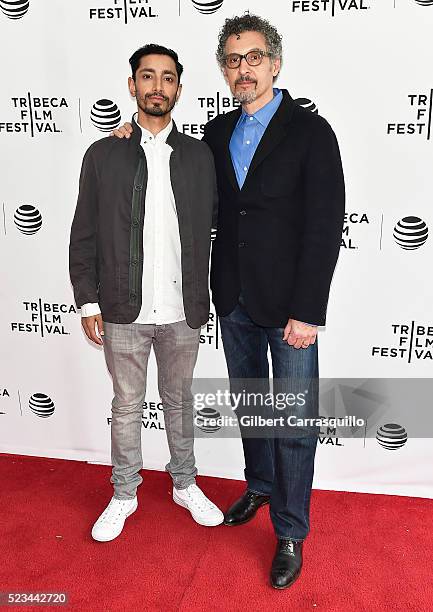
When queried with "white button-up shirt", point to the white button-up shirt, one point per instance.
{"points": [[162, 299]]}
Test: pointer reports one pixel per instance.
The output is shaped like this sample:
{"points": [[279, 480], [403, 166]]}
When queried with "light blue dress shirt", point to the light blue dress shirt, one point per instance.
{"points": [[247, 135]]}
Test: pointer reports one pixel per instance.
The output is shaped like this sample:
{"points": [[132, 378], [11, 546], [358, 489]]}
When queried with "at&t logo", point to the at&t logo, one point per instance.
{"points": [[207, 7], [28, 219], [124, 10], [411, 233], [208, 420], [105, 115], [41, 405], [391, 436], [14, 9], [411, 342], [307, 104], [328, 6]]}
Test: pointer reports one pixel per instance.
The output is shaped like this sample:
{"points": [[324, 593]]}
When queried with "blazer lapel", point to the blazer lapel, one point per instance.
{"points": [[274, 133], [228, 164]]}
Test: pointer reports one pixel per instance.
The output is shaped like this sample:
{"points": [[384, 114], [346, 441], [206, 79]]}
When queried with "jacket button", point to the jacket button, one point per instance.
{"points": [[132, 296], [135, 222], [243, 212], [134, 262], [242, 244], [138, 187]]}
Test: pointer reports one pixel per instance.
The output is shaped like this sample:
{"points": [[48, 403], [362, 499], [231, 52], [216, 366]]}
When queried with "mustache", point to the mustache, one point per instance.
{"points": [[245, 79], [156, 93]]}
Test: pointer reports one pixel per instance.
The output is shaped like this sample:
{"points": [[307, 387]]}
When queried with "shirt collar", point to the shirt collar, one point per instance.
{"points": [[265, 114], [147, 136]]}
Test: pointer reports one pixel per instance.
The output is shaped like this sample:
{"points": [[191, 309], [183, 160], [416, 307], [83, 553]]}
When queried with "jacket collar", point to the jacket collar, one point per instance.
{"points": [[173, 138], [274, 134]]}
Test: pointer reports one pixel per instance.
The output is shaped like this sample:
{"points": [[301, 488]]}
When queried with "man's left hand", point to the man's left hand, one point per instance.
{"points": [[299, 334]]}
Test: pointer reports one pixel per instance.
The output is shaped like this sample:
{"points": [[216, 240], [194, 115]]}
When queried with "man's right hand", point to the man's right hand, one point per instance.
{"points": [[93, 328], [124, 131]]}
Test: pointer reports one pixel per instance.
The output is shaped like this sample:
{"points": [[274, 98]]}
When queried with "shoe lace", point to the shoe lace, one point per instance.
{"points": [[114, 510], [287, 547], [198, 498]]}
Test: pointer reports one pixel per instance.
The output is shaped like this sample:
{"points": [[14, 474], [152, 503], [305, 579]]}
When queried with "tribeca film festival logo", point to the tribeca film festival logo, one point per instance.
{"points": [[124, 10], [411, 342], [411, 233], [419, 123], [331, 7], [152, 418], [351, 221], [36, 115], [14, 9], [45, 318], [4, 393], [211, 107], [209, 333], [391, 436]]}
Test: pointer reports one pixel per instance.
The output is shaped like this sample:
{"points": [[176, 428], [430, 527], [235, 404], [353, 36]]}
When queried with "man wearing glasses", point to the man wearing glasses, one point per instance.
{"points": [[280, 217]]}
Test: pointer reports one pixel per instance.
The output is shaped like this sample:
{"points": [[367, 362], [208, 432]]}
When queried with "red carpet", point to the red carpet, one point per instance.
{"points": [[365, 552]]}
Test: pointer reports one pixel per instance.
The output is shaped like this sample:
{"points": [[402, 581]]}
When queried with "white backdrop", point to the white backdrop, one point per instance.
{"points": [[365, 65]]}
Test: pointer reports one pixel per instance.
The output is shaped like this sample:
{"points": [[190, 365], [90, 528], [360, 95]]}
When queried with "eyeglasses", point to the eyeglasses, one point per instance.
{"points": [[253, 58]]}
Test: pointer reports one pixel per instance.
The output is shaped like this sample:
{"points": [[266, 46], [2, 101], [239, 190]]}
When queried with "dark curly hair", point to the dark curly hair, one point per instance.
{"points": [[249, 23]]}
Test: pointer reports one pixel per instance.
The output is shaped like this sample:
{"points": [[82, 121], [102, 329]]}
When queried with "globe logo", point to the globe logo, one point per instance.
{"points": [[105, 115], [206, 419], [391, 436], [206, 7], [424, 2], [14, 9], [28, 219], [41, 405], [307, 104], [410, 233]]}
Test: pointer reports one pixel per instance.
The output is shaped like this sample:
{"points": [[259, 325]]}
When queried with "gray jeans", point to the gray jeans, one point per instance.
{"points": [[127, 349]]}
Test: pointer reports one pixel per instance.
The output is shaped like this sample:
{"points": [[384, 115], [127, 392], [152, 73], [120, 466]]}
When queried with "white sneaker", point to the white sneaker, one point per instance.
{"points": [[203, 511], [110, 524]]}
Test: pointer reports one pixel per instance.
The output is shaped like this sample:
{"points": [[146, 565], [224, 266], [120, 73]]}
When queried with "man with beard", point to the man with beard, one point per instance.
{"points": [[280, 218], [139, 257]]}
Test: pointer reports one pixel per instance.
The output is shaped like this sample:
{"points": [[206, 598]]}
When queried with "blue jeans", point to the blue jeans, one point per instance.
{"points": [[279, 465]]}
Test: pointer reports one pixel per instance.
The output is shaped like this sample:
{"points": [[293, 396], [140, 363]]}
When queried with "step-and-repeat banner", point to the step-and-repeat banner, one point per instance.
{"points": [[365, 65]]}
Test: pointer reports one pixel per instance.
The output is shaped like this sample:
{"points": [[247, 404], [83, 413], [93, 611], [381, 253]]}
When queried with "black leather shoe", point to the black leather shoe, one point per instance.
{"points": [[287, 563], [245, 508]]}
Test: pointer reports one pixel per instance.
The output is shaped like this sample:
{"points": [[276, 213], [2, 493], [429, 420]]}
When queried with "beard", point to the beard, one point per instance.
{"points": [[245, 97], [156, 109]]}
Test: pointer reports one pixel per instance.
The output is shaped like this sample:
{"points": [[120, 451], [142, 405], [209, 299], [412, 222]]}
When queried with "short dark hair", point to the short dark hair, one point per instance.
{"points": [[152, 49], [249, 23]]}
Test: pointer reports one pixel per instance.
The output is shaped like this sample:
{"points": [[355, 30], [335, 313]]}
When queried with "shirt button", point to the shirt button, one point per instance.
{"points": [[243, 212], [245, 169], [248, 142], [251, 118]]}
